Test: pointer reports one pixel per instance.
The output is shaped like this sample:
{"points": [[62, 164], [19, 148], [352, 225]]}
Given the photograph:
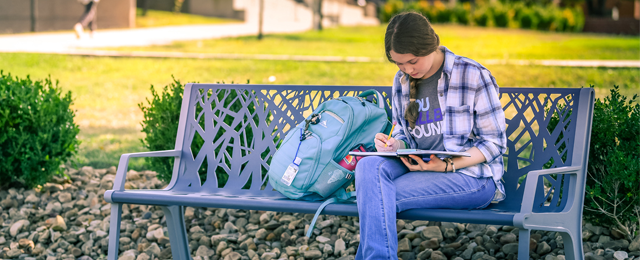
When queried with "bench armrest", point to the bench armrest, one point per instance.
{"points": [[532, 184], [123, 165]]}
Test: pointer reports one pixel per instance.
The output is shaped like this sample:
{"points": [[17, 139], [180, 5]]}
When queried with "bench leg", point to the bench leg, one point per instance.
{"points": [[523, 246], [114, 231], [572, 241], [177, 232]]}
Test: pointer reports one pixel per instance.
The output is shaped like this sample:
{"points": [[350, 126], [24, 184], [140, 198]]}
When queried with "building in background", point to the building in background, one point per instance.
{"points": [[334, 12], [17, 16]]}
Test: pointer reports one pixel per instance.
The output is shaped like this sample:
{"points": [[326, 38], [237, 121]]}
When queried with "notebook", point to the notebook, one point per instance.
{"points": [[406, 152]]}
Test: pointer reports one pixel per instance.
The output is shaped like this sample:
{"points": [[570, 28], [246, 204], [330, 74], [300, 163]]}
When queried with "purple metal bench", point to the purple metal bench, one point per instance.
{"points": [[537, 156]]}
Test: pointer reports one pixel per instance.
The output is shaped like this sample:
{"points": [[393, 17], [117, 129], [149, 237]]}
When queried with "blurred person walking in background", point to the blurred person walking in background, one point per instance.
{"points": [[88, 18]]}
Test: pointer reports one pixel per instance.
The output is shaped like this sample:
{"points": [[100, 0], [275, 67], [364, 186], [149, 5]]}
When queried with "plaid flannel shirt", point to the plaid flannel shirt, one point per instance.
{"points": [[473, 115]]}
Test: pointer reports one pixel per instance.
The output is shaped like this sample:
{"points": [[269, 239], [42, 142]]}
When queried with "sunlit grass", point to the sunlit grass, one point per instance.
{"points": [[156, 18], [473, 42], [107, 90]]}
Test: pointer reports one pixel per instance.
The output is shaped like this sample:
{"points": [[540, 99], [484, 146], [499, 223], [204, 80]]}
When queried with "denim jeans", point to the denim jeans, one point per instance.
{"points": [[385, 186]]}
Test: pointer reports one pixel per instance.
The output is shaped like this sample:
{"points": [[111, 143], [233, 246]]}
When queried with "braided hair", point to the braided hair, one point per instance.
{"points": [[410, 32]]}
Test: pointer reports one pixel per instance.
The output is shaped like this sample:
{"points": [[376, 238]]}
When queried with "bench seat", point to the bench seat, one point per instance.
{"points": [[283, 204]]}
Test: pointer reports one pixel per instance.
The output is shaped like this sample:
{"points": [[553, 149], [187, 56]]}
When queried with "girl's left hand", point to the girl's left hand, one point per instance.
{"points": [[435, 164]]}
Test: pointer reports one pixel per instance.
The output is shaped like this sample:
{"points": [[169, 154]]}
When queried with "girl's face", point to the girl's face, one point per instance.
{"points": [[416, 67]]}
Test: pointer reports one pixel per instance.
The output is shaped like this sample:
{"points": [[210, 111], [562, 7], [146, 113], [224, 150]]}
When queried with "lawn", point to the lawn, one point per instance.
{"points": [[107, 91], [474, 42], [155, 18]]}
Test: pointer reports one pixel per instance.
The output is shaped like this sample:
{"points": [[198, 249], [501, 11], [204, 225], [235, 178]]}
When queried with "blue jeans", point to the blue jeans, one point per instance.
{"points": [[385, 186]]}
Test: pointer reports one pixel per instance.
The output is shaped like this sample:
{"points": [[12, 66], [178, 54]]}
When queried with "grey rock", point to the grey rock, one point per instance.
{"points": [[450, 233], [511, 248], [476, 227], [491, 231], [322, 239], [268, 256], [591, 256], [153, 250], [59, 224], [261, 233], [620, 255], [13, 253], [338, 247], [205, 251], [604, 239], [432, 232], [17, 226], [635, 245], [596, 229], [404, 245], [616, 244], [419, 223], [233, 256], [425, 254], [508, 238], [467, 254], [143, 256], [32, 198], [64, 197], [477, 256], [431, 244], [437, 255], [543, 248], [311, 254], [586, 234], [324, 224]]}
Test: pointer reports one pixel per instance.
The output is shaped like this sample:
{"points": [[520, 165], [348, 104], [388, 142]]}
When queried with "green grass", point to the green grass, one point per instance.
{"points": [[474, 42], [107, 90], [155, 18]]}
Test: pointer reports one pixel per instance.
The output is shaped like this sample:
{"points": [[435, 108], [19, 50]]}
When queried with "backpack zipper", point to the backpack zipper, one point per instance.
{"points": [[334, 115]]}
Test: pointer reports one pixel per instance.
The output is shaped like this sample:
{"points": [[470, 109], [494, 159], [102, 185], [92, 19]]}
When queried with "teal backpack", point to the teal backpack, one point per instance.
{"points": [[316, 146]]}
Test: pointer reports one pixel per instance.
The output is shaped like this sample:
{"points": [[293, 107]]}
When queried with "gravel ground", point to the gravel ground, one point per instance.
{"points": [[69, 219]]}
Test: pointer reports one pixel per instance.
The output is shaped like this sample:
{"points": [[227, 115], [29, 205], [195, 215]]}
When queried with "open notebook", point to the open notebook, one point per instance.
{"points": [[405, 152]]}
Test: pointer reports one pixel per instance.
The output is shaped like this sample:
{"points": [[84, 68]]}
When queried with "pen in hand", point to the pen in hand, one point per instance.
{"points": [[388, 137]]}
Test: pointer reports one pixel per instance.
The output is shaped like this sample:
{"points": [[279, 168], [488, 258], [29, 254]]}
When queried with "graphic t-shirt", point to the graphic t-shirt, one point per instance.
{"points": [[428, 130]]}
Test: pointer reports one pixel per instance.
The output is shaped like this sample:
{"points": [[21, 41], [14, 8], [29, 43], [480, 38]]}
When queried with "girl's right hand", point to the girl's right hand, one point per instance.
{"points": [[392, 144]]}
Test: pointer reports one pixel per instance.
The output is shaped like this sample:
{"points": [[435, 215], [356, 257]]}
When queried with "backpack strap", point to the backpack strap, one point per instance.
{"points": [[339, 196], [374, 92]]}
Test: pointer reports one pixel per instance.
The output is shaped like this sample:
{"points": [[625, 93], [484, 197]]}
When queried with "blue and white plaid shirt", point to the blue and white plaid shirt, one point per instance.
{"points": [[473, 115]]}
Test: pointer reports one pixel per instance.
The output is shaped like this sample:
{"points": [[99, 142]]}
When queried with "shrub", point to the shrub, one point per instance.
{"points": [[613, 183], [483, 17], [160, 125], [500, 14], [460, 13], [528, 19], [37, 132], [389, 9]]}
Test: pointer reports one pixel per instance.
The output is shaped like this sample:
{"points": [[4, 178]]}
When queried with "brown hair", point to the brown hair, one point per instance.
{"points": [[410, 32]]}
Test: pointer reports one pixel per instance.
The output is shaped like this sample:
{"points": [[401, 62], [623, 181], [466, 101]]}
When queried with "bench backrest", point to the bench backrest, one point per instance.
{"points": [[229, 133]]}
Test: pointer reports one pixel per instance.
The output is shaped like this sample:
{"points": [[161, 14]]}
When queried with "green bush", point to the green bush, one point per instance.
{"points": [[528, 19], [160, 125], [460, 13], [391, 8], [500, 15], [513, 15], [37, 132], [613, 183]]}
